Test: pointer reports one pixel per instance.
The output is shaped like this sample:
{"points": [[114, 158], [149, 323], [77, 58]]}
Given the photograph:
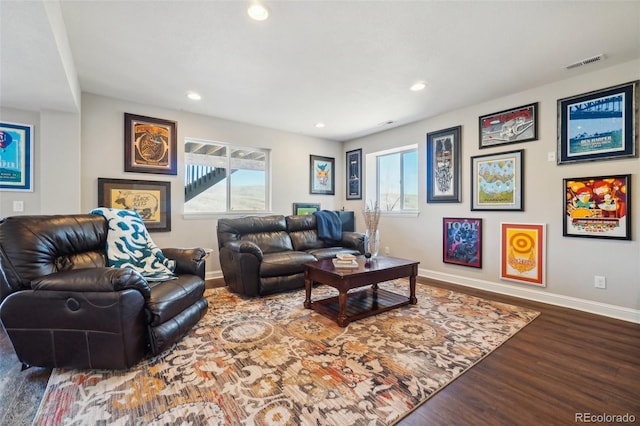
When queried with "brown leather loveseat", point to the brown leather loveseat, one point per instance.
{"points": [[261, 255], [63, 307]]}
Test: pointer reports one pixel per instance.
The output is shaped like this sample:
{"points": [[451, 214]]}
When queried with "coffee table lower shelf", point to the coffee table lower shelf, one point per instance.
{"points": [[360, 304]]}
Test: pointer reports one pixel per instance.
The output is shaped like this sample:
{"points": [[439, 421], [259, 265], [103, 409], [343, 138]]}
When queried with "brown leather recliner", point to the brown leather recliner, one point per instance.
{"points": [[63, 307]]}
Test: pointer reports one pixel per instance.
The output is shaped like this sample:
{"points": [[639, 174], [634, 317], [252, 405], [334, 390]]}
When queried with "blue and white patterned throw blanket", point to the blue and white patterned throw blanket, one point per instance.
{"points": [[129, 245]]}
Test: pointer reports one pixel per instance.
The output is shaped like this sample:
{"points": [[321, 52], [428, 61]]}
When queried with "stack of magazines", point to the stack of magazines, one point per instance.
{"points": [[345, 260]]}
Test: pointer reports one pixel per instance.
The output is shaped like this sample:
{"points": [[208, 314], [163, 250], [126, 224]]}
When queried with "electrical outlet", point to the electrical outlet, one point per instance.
{"points": [[551, 156], [18, 206], [599, 281]]}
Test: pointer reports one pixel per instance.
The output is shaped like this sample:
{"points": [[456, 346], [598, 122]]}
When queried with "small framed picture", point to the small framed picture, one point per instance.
{"points": [[443, 166], [305, 208], [509, 126], [597, 207], [354, 174], [462, 241], [16, 157], [151, 199], [523, 253], [497, 181], [150, 145], [600, 125], [322, 175]]}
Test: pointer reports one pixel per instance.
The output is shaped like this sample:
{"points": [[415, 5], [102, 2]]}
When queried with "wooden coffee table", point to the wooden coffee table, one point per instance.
{"points": [[347, 307]]}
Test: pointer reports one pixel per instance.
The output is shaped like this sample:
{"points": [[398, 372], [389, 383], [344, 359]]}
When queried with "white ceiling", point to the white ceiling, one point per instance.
{"points": [[348, 64]]}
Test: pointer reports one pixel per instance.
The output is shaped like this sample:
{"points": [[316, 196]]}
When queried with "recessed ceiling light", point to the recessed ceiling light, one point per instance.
{"points": [[258, 11], [418, 86], [320, 125], [194, 96]]}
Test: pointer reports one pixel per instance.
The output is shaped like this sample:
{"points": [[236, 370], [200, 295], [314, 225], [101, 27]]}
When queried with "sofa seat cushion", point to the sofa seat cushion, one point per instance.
{"points": [[284, 263], [169, 298], [331, 252]]}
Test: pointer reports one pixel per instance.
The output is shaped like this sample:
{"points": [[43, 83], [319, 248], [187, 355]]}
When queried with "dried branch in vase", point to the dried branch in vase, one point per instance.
{"points": [[371, 215]]}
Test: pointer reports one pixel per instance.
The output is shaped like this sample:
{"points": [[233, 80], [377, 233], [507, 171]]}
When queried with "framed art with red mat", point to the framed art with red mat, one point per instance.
{"points": [[523, 253]]}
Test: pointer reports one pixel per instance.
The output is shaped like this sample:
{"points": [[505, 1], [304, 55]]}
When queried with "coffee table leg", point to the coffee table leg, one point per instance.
{"points": [[342, 319], [412, 289], [307, 289]]}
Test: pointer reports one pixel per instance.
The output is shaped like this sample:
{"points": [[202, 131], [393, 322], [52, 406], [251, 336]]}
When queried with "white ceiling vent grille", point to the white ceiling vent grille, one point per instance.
{"points": [[586, 61]]}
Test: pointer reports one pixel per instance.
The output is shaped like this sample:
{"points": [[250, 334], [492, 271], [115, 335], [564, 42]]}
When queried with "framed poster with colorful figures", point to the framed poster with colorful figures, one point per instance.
{"points": [[523, 253], [597, 207]]}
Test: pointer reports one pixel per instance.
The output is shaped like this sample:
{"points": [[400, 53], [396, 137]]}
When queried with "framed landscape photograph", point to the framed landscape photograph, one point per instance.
{"points": [[599, 125], [443, 166], [509, 126], [150, 145], [462, 241], [597, 207], [305, 208], [354, 174], [151, 199], [16, 157], [322, 175], [497, 181], [523, 253]]}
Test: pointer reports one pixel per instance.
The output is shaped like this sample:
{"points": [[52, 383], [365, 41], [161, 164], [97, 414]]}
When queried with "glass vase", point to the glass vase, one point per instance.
{"points": [[372, 241]]}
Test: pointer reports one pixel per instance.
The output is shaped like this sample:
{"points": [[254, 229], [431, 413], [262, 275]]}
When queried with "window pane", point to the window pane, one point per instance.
{"points": [[410, 180], [389, 185], [210, 188]]}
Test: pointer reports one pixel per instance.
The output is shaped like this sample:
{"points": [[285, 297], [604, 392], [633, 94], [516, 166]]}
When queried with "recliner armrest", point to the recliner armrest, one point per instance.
{"points": [[245, 247], [93, 280], [188, 260]]}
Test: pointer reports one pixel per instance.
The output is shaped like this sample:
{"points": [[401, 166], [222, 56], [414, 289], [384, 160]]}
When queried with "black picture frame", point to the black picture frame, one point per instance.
{"points": [[322, 175], [443, 165], [462, 241], [599, 125], [150, 145], [151, 199], [305, 208], [513, 125], [597, 207], [497, 181], [354, 174]]}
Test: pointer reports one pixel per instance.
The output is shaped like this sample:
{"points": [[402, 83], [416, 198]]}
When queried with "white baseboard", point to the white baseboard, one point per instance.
{"points": [[213, 275], [612, 311]]}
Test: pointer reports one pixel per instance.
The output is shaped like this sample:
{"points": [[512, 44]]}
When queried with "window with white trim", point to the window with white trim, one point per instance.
{"points": [[224, 178], [392, 179]]}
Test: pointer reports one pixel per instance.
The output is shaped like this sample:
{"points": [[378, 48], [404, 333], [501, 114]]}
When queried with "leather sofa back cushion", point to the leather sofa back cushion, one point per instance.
{"points": [[303, 230], [34, 246], [270, 242], [268, 232]]}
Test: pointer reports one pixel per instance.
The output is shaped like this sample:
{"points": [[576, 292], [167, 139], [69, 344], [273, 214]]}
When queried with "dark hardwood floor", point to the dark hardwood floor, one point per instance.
{"points": [[564, 364]]}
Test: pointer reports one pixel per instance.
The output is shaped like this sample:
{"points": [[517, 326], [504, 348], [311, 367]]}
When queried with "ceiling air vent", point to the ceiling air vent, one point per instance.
{"points": [[586, 61]]}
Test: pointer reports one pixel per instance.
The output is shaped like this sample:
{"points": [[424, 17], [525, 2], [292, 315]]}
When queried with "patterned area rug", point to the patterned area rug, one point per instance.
{"points": [[269, 361]]}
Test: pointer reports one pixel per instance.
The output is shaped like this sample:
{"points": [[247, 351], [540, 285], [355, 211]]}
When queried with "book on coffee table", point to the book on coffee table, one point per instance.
{"points": [[345, 264]]}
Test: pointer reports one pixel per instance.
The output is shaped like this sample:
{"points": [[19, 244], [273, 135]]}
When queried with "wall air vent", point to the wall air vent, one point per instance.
{"points": [[586, 61]]}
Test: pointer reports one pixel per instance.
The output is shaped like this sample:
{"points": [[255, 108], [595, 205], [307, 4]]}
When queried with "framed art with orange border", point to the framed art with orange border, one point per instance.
{"points": [[523, 253], [150, 145]]}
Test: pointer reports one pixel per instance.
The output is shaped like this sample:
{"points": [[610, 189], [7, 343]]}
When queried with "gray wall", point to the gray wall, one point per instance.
{"points": [[72, 151], [571, 262]]}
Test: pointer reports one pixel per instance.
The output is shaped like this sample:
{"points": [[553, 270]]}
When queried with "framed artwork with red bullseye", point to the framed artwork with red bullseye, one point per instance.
{"points": [[523, 253]]}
